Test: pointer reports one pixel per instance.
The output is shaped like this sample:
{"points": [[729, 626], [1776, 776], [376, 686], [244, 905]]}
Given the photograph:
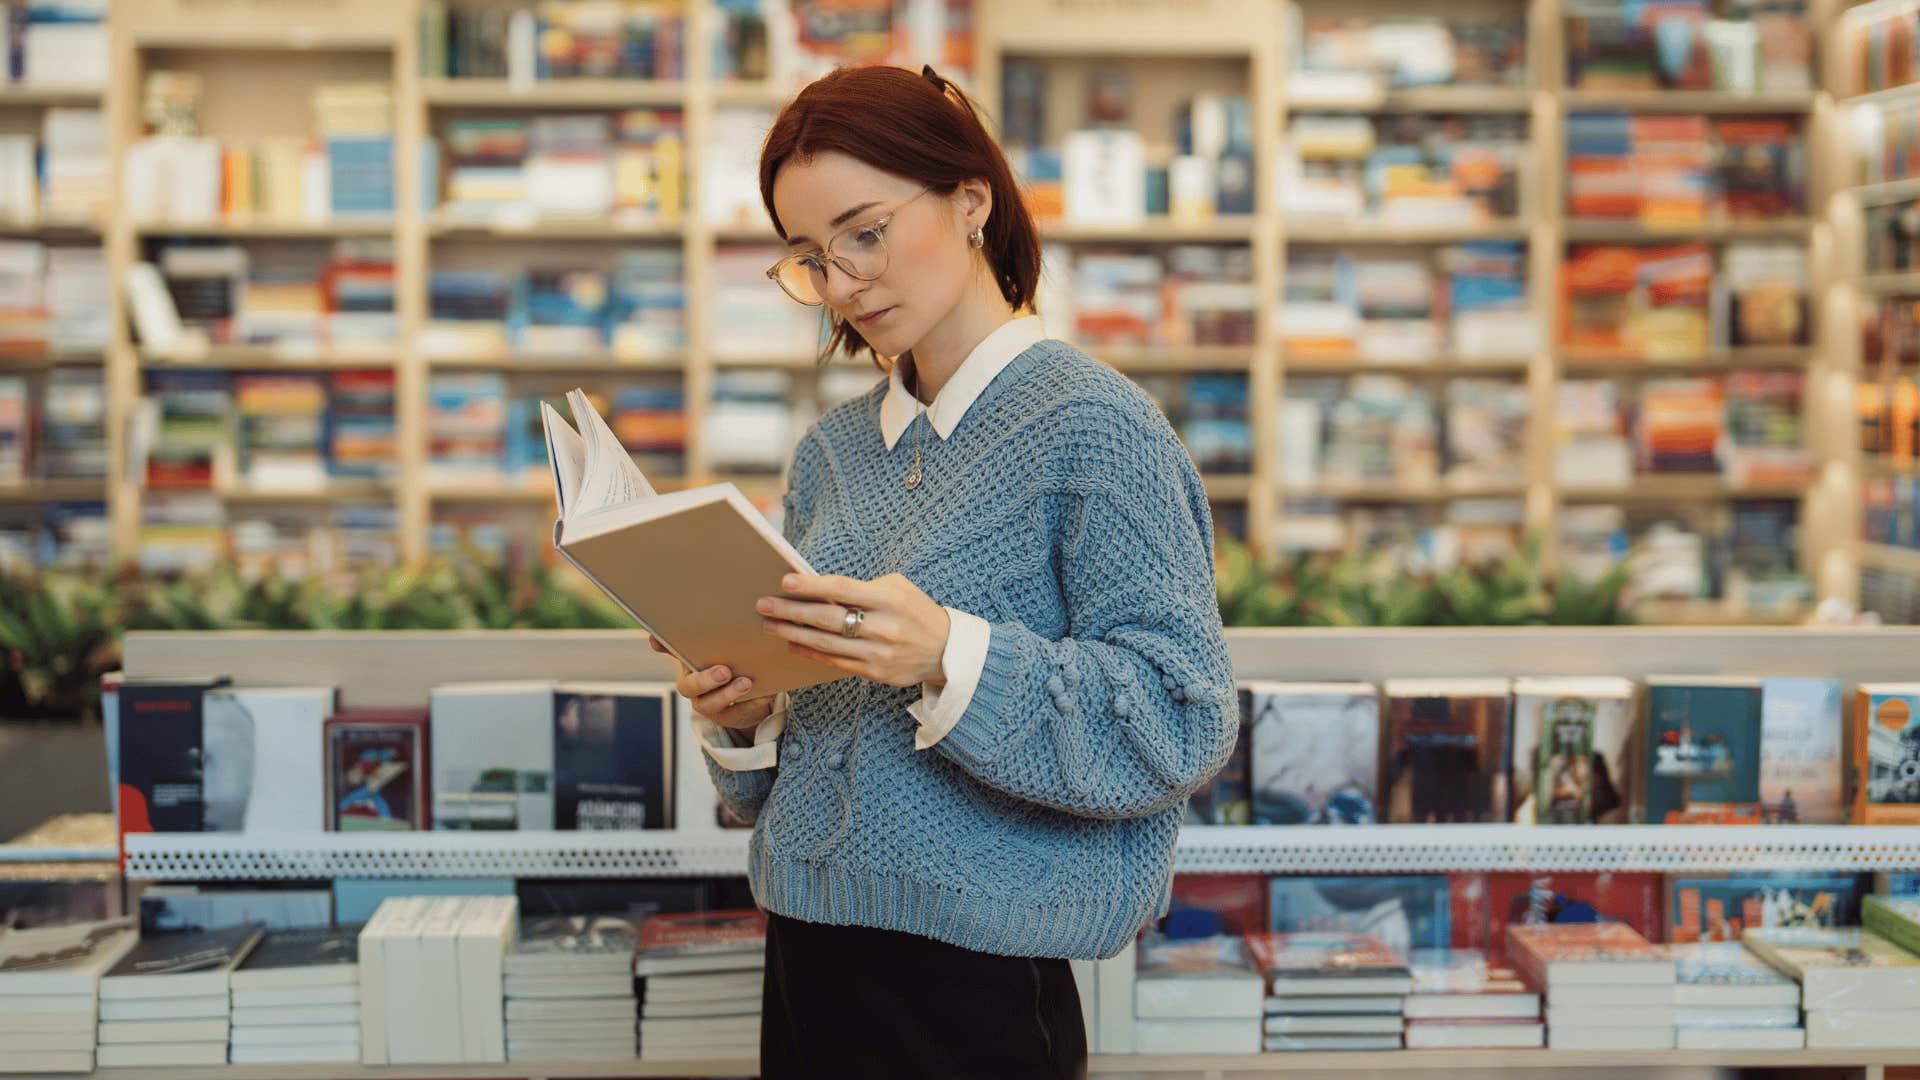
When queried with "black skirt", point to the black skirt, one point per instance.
{"points": [[853, 1001]]}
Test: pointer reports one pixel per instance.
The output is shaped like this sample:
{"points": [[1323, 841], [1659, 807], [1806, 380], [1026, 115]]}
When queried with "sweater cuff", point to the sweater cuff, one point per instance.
{"points": [[726, 752], [938, 710], [981, 733]]}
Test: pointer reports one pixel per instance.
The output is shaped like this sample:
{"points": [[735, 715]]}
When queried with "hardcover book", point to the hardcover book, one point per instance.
{"points": [[1522, 899], [1315, 752], [1445, 752], [1316, 963], [1886, 752], [1801, 728], [1587, 954], [62, 960], [1405, 912], [1572, 751], [1703, 743], [162, 754], [613, 754], [377, 765]]}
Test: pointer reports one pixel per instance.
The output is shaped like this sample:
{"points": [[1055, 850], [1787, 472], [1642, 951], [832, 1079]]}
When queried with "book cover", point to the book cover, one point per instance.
{"points": [[1887, 754], [1722, 908], [1703, 738], [1726, 963], [1446, 751], [1537, 949], [187, 951], [1324, 955], [1461, 971], [1315, 753], [1896, 918], [1522, 899], [1221, 956], [1227, 799], [1796, 951], [284, 951], [493, 767], [1405, 912], [1236, 902], [613, 756], [1801, 729], [701, 932], [162, 754], [262, 772], [377, 765], [63, 959], [574, 944], [1573, 751]]}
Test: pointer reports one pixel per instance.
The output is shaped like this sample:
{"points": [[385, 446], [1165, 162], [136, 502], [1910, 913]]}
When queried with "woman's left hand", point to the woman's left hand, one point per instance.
{"points": [[901, 640]]}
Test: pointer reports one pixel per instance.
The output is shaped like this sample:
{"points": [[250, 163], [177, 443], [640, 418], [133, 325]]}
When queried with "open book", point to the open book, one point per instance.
{"points": [[688, 565]]}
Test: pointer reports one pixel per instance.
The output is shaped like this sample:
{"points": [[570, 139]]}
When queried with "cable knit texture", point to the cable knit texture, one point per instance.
{"points": [[1065, 512]]}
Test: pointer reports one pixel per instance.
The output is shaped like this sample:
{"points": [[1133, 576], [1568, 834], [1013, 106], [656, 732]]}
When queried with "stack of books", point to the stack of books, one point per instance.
{"points": [[1856, 987], [1330, 991], [1606, 987], [49, 992], [1195, 995], [168, 1001], [1460, 999], [700, 979], [1726, 999], [296, 998], [569, 989]]}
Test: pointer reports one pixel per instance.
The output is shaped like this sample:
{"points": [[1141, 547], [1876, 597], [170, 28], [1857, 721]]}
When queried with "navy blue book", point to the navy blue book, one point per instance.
{"points": [[161, 752], [613, 756]]}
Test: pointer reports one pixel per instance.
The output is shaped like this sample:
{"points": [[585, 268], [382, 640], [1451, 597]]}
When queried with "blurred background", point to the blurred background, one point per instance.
{"points": [[1493, 312]]}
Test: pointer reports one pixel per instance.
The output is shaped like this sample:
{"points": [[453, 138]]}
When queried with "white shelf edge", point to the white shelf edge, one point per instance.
{"points": [[1202, 849]]}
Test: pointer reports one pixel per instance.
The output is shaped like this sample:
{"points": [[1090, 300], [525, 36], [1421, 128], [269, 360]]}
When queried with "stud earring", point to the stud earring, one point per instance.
{"points": [[978, 239]]}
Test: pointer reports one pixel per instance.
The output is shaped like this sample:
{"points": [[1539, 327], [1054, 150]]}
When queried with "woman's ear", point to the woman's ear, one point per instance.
{"points": [[976, 202]]}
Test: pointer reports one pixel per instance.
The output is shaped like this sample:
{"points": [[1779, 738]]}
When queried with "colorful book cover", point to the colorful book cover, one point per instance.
{"points": [[1522, 899], [1573, 741], [1316, 753], [1722, 964], [1321, 954], [1461, 971], [612, 756], [162, 754], [1446, 751], [377, 767], [1801, 729], [1535, 949], [1723, 908], [493, 767], [1221, 956], [1886, 752], [1237, 901], [1406, 912], [701, 933], [1703, 743], [1228, 798]]}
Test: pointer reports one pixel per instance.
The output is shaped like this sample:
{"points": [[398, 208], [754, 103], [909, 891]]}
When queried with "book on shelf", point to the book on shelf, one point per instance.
{"points": [[1321, 963], [1703, 743], [1196, 979], [1537, 898], [1840, 968], [1573, 751], [1404, 912], [1886, 745], [700, 942], [1466, 984], [1560, 955], [1315, 752], [641, 548], [378, 768], [1444, 750]]}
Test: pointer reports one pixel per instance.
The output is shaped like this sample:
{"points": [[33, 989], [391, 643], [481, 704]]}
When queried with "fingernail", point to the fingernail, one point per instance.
{"points": [[742, 684], [764, 607], [791, 581], [721, 672]]}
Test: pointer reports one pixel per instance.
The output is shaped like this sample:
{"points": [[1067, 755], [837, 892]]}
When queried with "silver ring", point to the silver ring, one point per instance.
{"points": [[850, 627]]}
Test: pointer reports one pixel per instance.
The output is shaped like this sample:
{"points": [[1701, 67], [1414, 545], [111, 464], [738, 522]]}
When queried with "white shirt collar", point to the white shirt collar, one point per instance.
{"points": [[987, 359]]}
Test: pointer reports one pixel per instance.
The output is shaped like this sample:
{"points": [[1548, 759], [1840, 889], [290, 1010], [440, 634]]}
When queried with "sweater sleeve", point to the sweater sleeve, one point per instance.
{"points": [[745, 790], [1134, 708]]}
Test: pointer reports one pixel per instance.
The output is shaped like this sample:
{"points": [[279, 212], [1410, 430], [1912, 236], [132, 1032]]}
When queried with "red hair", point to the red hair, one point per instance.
{"points": [[918, 126]]}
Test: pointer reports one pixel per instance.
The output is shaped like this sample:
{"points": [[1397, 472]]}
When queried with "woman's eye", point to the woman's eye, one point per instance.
{"points": [[866, 238]]}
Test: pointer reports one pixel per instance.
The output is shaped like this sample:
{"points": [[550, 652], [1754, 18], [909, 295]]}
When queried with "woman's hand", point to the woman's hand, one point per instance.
{"points": [[715, 698], [901, 639]]}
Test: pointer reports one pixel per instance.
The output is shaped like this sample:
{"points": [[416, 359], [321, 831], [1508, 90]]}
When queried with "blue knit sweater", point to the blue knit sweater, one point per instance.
{"points": [[1065, 512]]}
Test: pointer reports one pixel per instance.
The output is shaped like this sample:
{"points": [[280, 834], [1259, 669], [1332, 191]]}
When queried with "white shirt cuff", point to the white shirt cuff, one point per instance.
{"points": [[763, 754], [965, 657]]}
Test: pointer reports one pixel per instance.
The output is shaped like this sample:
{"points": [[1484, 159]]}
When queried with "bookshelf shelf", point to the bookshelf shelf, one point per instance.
{"points": [[1175, 358], [1230, 228], [557, 229], [1437, 492], [49, 227], [1228, 488], [553, 93], [1889, 284], [1203, 849], [1428, 99], [31, 95], [1888, 465], [43, 361], [1442, 367], [1618, 232], [1713, 102], [1784, 358], [1681, 488], [269, 357], [291, 230], [1886, 191], [53, 491], [1389, 232], [1887, 557], [604, 364]]}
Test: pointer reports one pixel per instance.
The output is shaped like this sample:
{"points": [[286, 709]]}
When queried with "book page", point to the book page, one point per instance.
{"points": [[566, 456], [608, 475]]}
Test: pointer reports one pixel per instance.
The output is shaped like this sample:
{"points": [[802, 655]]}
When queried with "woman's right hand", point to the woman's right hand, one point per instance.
{"points": [[717, 699]]}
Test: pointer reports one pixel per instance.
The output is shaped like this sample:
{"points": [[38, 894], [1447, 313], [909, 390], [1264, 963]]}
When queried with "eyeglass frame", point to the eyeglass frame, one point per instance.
{"points": [[879, 225]]}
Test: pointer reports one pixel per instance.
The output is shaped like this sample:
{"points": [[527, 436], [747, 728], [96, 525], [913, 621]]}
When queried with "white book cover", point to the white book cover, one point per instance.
{"points": [[403, 982], [163, 1031], [578, 1030], [438, 1010], [1610, 1038], [493, 756], [1332, 1025], [44, 1042], [1285, 1044], [342, 994], [1236, 1036], [51, 1061], [1115, 1018], [1103, 172], [1848, 1028], [1315, 752], [1777, 1038], [162, 1055], [307, 1015], [1205, 978], [606, 1050], [681, 1010], [1486, 1034], [488, 933], [1627, 1016], [543, 986], [263, 769], [316, 1054], [296, 1035], [18, 1023], [372, 991], [68, 959], [537, 1009]]}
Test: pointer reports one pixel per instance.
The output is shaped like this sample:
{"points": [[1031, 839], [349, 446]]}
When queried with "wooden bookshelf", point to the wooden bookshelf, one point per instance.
{"points": [[1241, 43]]}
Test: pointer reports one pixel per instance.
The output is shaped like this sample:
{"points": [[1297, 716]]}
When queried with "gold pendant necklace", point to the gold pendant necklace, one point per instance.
{"points": [[919, 440]]}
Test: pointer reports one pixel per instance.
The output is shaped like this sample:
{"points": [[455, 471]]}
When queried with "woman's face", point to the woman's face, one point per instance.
{"points": [[928, 260]]}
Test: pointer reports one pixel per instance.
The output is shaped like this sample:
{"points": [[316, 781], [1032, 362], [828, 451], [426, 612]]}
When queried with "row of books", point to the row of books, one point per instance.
{"points": [[1674, 302], [635, 309], [626, 168], [61, 535], [1891, 511], [1891, 232], [60, 433], [622, 39], [1407, 169], [61, 176], [1889, 413], [269, 431], [190, 295], [1382, 429], [1345, 60], [52, 299], [1890, 593], [57, 43], [482, 756], [1745, 552], [1881, 48], [1684, 749], [1737, 46], [1886, 140], [1409, 537], [1677, 169], [1890, 333], [1184, 294], [1465, 300], [1209, 414], [195, 531]]}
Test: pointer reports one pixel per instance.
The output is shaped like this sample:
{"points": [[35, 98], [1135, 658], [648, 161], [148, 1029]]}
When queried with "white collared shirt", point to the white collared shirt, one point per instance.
{"points": [[967, 638]]}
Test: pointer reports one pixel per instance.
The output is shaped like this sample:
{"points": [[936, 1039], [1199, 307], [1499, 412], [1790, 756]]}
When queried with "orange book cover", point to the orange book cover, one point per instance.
{"points": [[1886, 754]]}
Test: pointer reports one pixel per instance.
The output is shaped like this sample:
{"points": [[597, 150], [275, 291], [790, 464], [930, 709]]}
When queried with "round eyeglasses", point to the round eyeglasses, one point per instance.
{"points": [[859, 251]]}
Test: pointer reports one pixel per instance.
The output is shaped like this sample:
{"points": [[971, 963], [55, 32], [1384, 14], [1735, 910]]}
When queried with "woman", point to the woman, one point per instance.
{"points": [[1017, 579]]}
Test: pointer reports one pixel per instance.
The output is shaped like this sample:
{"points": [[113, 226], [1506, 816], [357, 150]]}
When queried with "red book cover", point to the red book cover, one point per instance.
{"points": [[1239, 899], [1467, 904], [378, 762], [1322, 953], [1561, 899], [695, 932], [1533, 948]]}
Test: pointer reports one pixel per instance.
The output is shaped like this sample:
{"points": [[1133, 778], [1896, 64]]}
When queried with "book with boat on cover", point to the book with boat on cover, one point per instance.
{"points": [[688, 565]]}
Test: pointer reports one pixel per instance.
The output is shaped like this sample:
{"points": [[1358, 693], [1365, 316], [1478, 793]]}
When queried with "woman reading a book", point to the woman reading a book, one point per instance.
{"points": [[1016, 578]]}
